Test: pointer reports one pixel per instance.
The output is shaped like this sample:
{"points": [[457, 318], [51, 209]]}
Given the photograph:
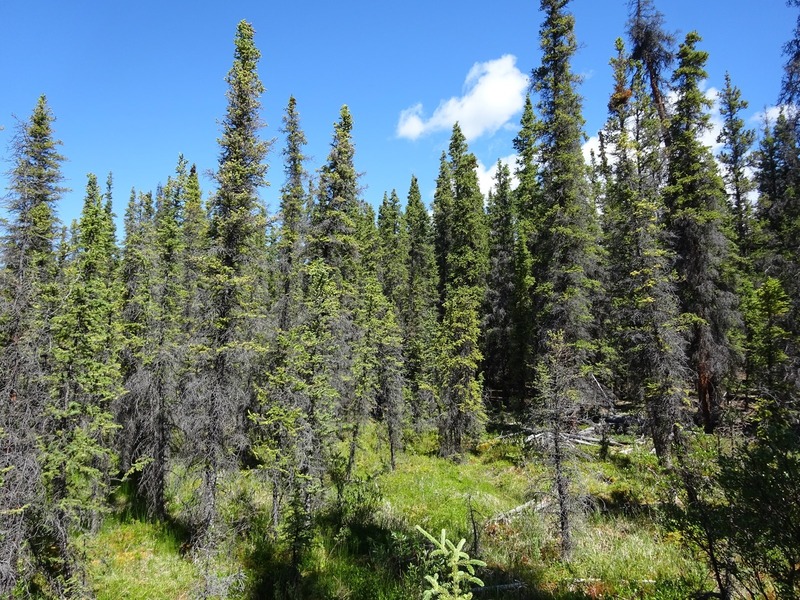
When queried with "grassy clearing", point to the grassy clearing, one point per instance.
{"points": [[366, 546], [135, 560], [437, 493]]}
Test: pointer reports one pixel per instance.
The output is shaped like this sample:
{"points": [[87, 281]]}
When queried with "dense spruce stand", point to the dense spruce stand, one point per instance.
{"points": [[598, 358]]}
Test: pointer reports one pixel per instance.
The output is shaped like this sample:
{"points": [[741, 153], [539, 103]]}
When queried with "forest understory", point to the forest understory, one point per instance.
{"points": [[583, 385]]}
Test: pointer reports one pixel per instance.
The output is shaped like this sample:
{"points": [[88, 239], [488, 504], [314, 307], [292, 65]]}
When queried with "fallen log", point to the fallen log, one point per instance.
{"points": [[506, 587], [506, 516]]}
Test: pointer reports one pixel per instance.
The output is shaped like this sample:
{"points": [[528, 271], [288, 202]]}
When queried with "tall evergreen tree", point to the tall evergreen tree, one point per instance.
{"points": [[778, 209], [392, 251], [281, 432], [653, 47], [377, 369], [565, 246], [790, 86], [498, 321], [27, 300], [294, 220], [334, 240], [467, 259], [565, 252], [158, 403], [419, 311], [443, 218], [463, 280], [530, 214], [194, 244], [737, 142], [335, 213], [695, 199], [777, 229], [237, 234], [138, 267], [86, 379], [645, 309], [341, 227]]}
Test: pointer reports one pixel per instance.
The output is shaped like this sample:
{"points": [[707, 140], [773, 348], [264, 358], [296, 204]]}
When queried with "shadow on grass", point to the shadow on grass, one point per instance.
{"points": [[356, 559], [129, 506], [364, 560]]}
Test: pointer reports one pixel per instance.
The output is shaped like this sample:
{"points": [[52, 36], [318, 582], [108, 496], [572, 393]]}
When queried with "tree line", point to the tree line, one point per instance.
{"points": [[659, 280]]}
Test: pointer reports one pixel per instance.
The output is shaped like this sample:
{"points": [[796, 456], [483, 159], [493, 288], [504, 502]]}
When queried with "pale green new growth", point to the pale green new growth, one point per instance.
{"points": [[460, 570]]}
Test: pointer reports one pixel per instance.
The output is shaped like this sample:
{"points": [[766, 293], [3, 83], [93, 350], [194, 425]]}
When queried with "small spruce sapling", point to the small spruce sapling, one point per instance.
{"points": [[458, 570]]}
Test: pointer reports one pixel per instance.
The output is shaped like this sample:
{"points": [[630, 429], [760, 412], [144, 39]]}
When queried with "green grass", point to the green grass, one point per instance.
{"points": [[132, 559], [436, 493], [619, 557], [367, 547]]}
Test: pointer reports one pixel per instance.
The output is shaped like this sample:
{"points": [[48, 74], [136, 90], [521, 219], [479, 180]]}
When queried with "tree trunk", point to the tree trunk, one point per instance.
{"points": [[562, 490]]}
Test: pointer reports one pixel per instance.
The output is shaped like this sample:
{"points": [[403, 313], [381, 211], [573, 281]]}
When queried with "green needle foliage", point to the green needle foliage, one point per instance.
{"points": [[565, 246], [462, 233], [234, 277], [696, 221], [498, 322], [643, 319], [28, 298], [736, 158], [458, 570], [86, 379], [243, 376], [418, 307]]}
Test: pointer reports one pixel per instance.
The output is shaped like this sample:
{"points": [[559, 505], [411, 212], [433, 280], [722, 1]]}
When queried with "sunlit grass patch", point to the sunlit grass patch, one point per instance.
{"points": [[138, 560], [437, 493]]}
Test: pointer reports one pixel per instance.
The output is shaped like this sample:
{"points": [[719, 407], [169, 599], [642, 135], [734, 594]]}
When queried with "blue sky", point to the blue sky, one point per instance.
{"points": [[134, 84]]}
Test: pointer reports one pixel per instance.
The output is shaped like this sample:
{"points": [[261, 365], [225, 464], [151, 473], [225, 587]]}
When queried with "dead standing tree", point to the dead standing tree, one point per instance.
{"points": [[562, 396]]}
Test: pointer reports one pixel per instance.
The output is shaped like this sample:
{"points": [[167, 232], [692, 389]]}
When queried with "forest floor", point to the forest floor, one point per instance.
{"points": [[366, 545]]}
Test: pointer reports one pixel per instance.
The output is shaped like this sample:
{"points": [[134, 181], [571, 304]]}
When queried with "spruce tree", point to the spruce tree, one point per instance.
{"points": [[778, 210], [155, 305], [530, 213], [644, 310], [335, 213], [695, 200], [790, 85], [377, 369], [27, 299], [737, 142], [234, 273], [340, 227], [565, 252], [653, 47], [392, 251], [419, 312], [443, 219], [86, 378], [334, 240], [559, 403], [498, 321], [467, 259], [463, 281], [195, 244], [138, 265], [294, 220], [565, 248], [459, 384], [280, 435]]}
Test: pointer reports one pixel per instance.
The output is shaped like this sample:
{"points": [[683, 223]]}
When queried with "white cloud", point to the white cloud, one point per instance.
{"points": [[494, 91], [771, 113], [410, 124], [709, 137], [589, 146], [486, 176]]}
